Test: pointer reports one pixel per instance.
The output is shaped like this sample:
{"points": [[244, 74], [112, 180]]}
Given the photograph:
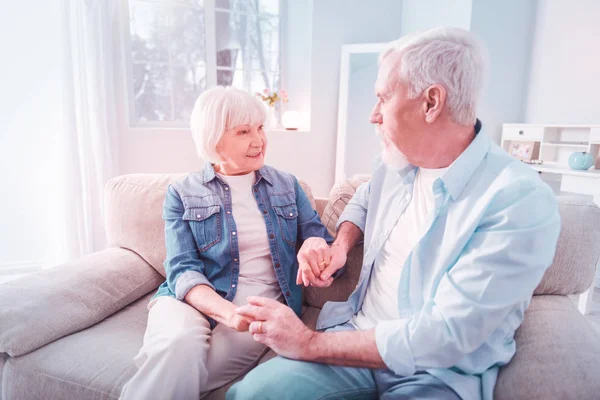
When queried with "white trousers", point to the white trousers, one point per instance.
{"points": [[182, 359]]}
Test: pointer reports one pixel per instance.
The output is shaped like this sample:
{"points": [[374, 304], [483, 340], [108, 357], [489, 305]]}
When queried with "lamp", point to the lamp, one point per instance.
{"points": [[290, 120]]}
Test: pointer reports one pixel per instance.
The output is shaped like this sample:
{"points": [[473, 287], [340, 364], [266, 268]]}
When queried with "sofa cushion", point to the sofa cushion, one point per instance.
{"points": [[133, 206], [45, 306], [342, 287], [339, 195], [91, 364], [577, 251], [558, 354]]}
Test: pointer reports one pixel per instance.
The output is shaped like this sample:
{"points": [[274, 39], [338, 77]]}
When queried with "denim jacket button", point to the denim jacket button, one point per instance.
{"points": [[233, 285], [228, 212], [277, 265], [291, 214], [233, 233], [226, 188], [235, 259], [198, 216], [272, 236], [264, 211]]}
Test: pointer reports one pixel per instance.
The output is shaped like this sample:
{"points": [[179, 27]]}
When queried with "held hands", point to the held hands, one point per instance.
{"points": [[277, 326], [318, 262], [238, 322]]}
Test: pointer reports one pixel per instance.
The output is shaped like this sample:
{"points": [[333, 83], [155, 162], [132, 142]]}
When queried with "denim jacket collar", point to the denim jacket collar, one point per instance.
{"points": [[208, 174]]}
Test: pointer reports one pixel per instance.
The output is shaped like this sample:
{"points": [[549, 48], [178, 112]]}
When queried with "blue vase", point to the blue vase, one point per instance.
{"points": [[581, 160]]}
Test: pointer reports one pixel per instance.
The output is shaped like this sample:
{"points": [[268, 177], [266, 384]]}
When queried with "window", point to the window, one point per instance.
{"points": [[179, 48]]}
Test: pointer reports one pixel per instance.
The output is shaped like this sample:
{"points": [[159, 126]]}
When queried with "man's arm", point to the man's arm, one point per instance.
{"points": [[346, 348]]}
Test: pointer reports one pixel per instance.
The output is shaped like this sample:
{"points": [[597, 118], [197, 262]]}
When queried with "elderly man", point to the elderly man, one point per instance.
{"points": [[457, 235]]}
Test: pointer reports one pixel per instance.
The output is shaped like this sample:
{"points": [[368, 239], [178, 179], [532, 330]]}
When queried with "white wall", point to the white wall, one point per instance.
{"points": [[335, 22], [565, 71], [506, 28], [420, 15]]}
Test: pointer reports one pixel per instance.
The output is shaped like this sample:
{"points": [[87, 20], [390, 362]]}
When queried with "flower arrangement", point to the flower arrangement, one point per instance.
{"points": [[271, 98]]}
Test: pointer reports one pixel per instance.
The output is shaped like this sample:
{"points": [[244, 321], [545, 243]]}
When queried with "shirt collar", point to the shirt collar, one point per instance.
{"points": [[461, 170], [208, 174]]}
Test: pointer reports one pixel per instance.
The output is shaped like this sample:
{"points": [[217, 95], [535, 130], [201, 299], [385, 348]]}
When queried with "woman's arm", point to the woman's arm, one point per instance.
{"points": [[204, 299]]}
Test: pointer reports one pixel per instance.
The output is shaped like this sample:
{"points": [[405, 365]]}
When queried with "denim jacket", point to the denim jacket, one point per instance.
{"points": [[200, 232]]}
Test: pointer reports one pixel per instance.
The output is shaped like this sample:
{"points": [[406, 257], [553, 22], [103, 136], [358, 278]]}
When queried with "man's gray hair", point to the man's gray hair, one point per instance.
{"points": [[218, 110], [451, 57]]}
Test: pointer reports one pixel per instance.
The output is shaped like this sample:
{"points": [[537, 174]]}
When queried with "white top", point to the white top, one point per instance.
{"points": [[257, 276], [381, 299]]}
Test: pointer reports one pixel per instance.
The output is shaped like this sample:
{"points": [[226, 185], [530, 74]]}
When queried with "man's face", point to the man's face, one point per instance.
{"points": [[399, 119]]}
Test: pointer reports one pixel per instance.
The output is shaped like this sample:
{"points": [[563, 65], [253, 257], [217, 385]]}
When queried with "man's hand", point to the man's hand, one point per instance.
{"points": [[277, 326], [317, 262]]}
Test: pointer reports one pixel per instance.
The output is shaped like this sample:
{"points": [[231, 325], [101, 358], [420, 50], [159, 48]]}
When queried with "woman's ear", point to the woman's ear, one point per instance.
{"points": [[434, 101]]}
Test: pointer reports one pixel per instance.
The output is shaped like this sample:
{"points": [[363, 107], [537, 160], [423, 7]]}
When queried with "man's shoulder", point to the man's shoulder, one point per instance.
{"points": [[504, 179]]}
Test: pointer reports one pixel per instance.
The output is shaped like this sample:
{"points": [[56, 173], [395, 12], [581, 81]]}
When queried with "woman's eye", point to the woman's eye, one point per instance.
{"points": [[244, 132], [260, 128]]}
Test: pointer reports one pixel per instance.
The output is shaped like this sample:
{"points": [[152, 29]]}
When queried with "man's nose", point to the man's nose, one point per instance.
{"points": [[375, 116]]}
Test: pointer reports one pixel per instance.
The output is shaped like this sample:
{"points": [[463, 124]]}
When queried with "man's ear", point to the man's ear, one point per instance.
{"points": [[434, 100]]}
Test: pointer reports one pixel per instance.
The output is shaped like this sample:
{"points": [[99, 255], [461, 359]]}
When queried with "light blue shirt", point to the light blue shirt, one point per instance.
{"points": [[465, 286]]}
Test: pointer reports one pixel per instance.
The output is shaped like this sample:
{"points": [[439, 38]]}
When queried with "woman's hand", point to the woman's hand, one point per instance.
{"points": [[238, 322]]}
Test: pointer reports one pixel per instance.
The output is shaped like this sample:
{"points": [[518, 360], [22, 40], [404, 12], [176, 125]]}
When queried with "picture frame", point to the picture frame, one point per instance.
{"points": [[525, 150]]}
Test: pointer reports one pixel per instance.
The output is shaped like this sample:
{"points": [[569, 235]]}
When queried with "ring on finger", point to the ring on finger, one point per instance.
{"points": [[323, 263], [260, 326]]}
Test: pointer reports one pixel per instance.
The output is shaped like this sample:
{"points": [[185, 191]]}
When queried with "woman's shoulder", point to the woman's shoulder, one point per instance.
{"points": [[192, 184], [278, 178]]}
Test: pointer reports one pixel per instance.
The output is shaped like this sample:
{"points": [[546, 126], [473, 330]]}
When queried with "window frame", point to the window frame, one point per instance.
{"points": [[210, 10]]}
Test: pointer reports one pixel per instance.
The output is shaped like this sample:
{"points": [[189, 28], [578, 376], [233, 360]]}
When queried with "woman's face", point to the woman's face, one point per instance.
{"points": [[242, 150]]}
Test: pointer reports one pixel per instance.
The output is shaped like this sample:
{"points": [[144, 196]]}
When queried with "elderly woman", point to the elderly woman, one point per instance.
{"points": [[231, 232]]}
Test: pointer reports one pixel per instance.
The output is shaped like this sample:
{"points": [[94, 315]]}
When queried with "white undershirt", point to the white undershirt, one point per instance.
{"points": [[257, 276], [381, 298]]}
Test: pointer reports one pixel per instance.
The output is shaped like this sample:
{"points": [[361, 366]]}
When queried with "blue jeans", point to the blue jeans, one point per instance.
{"points": [[282, 378]]}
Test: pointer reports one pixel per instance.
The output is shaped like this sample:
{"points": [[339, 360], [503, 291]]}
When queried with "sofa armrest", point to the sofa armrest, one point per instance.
{"points": [[43, 307]]}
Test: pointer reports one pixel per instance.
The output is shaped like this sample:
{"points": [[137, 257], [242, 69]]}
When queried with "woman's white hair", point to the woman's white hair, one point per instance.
{"points": [[216, 111], [451, 57]]}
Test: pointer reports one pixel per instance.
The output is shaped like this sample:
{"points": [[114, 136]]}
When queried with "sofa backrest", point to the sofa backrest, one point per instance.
{"points": [[133, 214], [577, 252]]}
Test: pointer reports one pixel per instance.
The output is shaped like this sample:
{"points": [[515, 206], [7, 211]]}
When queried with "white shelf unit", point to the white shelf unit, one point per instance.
{"points": [[553, 145], [556, 142]]}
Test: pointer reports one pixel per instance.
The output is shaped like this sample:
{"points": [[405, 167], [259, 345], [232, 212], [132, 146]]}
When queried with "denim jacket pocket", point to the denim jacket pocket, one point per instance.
{"points": [[205, 223], [287, 217]]}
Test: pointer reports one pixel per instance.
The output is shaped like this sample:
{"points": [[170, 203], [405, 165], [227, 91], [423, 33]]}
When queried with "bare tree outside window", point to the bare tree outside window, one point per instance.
{"points": [[168, 53]]}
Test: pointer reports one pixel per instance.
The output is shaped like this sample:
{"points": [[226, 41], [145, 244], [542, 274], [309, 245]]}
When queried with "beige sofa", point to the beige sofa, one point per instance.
{"points": [[72, 331]]}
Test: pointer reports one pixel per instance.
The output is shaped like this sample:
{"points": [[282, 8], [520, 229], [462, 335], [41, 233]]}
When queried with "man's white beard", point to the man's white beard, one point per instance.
{"points": [[390, 154]]}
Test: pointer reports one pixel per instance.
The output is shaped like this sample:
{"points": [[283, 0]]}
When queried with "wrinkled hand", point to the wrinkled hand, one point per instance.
{"points": [[318, 261], [239, 322], [277, 326]]}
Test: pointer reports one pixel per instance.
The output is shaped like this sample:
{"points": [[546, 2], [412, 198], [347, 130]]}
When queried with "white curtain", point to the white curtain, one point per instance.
{"points": [[90, 120]]}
